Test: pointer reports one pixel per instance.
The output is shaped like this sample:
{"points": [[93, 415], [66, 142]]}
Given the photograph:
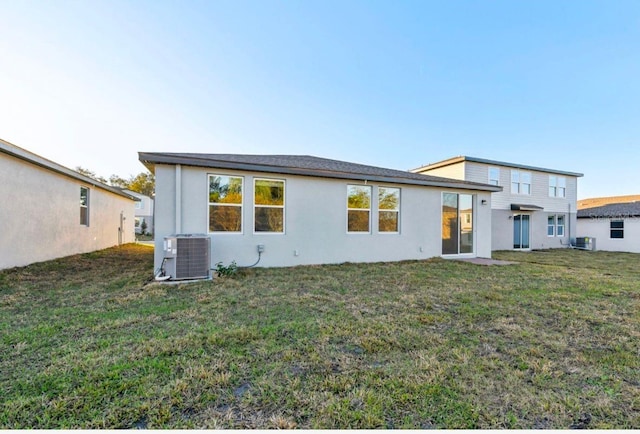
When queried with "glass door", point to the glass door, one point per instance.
{"points": [[521, 231], [457, 223]]}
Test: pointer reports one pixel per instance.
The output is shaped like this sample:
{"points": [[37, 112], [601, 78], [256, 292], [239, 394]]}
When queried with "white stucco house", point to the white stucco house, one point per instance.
{"points": [[48, 211], [536, 209], [143, 211], [311, 210], [615, 226]]}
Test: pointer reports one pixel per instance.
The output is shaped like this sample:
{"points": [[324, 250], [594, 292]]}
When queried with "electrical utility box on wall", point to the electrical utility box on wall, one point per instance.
{"points": [[187, 256]]}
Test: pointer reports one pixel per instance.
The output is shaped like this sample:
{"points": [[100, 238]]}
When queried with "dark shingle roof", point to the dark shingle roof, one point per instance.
{"points": [[614, 210], [305, 165]]}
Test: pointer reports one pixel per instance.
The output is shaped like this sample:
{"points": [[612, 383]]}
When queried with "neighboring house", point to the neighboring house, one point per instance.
{"points": [[310, 210], [49, 211], [143, 211], [536, 208], [615, 226], [599, 201]]}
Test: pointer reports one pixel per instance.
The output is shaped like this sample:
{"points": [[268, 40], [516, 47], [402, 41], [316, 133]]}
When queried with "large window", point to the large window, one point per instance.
{"points": [[388, 209], [557, 186], [520, 182], [616, 229], [225, 203], [268, 205], [84, 206], [494, 176], [358, 208]]}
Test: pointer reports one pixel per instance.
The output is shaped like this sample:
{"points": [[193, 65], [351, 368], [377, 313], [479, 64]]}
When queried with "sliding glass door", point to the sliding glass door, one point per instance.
{"points": [[521, 231], [457, 223]]}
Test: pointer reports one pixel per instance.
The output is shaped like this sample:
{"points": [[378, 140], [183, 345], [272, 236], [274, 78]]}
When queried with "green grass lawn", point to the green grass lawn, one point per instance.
{"points": [[551, 342]]}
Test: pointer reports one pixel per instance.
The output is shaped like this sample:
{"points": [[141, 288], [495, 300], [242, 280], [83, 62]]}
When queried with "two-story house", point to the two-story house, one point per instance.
{"points": [[143, 212], [536, 208]]}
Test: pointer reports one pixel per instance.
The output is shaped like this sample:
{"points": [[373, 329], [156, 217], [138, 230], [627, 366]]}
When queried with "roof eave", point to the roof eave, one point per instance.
{"points": [[148, 160], [460, 159], [31, 158]]}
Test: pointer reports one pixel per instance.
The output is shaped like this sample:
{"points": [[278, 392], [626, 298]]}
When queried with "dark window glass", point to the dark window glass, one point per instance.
{"points": [[269, 219]]}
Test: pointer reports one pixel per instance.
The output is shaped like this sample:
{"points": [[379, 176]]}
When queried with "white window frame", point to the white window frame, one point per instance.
{"points": [[283, 206], [397, 210], [85, 206], [551, 225], [494, 180], [359, 209], [557, 186], [240, 205], [517, 179], [559, 226], [139, 203]]}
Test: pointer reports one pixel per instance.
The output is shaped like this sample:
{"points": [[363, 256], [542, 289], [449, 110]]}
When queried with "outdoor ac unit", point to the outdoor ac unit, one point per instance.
{"points": [[586, 243], [187, 256]]}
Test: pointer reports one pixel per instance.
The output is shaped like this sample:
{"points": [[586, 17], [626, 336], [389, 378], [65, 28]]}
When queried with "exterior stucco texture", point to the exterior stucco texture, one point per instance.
{"points": [[315, 220], [40, 215]]}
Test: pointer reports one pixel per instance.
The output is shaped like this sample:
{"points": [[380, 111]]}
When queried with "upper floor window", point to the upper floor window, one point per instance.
{"points": [[557, 186], [388, 209], [358, 208], [84, 206], [225, 203], [140, 204], [520, 182], [268, 205], [616, 229], [494, 176]]}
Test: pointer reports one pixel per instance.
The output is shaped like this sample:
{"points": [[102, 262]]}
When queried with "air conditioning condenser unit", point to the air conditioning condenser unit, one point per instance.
{"points": [[186, 256]]}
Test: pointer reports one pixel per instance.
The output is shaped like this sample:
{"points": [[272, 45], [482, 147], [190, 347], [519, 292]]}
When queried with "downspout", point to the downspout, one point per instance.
{"points": [[178, 228], [121, 230], [569, 221]]}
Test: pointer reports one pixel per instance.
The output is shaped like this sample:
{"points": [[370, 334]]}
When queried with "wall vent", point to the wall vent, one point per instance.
{"points": [[187, 256]]}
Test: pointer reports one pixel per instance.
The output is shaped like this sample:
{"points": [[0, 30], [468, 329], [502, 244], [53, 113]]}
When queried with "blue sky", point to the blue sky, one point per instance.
{"points": [[395, 84]]}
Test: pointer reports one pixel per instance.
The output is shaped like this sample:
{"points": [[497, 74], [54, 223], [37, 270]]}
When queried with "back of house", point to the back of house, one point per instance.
{"points": [[310, 210], [614, 222], [536, 208]]}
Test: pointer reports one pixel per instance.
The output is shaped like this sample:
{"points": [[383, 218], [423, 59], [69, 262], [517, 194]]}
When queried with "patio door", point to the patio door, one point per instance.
{"points": [[521, 231], [457, 224]]}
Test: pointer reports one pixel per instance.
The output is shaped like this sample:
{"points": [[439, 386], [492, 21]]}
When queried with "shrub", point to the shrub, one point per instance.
{"points": [[229, 270]]}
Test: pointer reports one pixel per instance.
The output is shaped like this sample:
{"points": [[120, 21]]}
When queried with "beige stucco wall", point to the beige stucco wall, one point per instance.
{"points": [[502, 223], [599, 228], [40, 215], [315, 221]]}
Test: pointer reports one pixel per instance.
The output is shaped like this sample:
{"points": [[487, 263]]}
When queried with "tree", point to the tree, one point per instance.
{"points": [[144, 183], [117, 181], [90, 174], [143, 227]]}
